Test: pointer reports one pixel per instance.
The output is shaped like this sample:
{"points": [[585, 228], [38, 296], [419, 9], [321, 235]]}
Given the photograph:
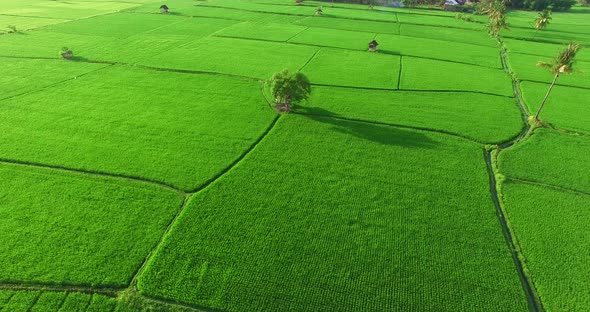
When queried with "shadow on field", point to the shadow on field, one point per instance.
{"points": [[379, 133]]}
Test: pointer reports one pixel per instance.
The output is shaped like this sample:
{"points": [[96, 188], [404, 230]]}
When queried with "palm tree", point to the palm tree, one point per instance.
{"points": [[496, 12], [562, 63], [543, 19]]}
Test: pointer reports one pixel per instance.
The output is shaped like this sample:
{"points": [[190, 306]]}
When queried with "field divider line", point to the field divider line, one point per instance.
{"points": [[566, 131], [309, 60], [557, 84], [188, 195], [37, 300], [490, 157], [139, 271], [41, 89], [547, 185], [399, 74], [511, 241], [297, 34], [379, 123], [118, 176], [81, 288], [357, 50]]}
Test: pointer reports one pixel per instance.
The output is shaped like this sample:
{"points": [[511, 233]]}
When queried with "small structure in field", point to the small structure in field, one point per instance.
{"points": [[319, 12], [66, 53], [373, 46], [298, 1], [164, 8]]}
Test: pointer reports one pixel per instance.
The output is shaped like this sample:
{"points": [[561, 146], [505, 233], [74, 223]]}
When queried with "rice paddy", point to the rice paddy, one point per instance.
{"points": [[150, 172]]}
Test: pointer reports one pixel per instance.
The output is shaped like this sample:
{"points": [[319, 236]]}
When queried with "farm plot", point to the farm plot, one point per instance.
{"points": [[120, 25], [552, 229], [444, 21], [524, 66], [441, 50], [334, 38], [256, 59], [25, 23], [263, 31], [352, 25], [549, 157], [178, 129], [484, 118], [69, 228], [18, 76], [548, 50], [566, 108], [353, 68], [448, 35], [63, 9], [426, 74], [259, 239], [181, 7], [550, 35]]}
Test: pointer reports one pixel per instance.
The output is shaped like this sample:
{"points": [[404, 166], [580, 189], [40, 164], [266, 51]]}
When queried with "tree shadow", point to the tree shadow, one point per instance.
{"points": [[375, 132]]}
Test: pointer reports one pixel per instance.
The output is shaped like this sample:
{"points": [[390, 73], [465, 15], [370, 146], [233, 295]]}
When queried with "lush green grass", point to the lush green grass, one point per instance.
{"points": [[334, 38], [547, 50], [249, 58], [353, 25], [485, 118], [425, 74], [439, 49], [25, 23], [100, 303], [76, 302], [184, 131], [549, 157], [19, 76], [552, 229], [525, 67], [260, 239], [21, 301], [78, 229], [566, 107], [264, 31], [449, 34], [431, 20], [49, 301], [353, 68], [63, 9]]}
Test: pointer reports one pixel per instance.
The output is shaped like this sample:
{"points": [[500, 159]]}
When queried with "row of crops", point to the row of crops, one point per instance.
{"points": [[150, 173]]}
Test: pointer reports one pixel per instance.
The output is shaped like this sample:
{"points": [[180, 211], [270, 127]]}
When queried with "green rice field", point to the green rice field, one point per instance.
{"points": [[150, 172]]}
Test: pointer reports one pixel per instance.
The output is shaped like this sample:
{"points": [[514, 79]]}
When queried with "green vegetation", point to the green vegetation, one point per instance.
{"points": [[150, 172], [484, 118], [563, 109], [561, 64], [53, 236], [340, 232], [288, 88], [552, 227], [354, 69], [157, 140], [549, 157], [425, 74]]}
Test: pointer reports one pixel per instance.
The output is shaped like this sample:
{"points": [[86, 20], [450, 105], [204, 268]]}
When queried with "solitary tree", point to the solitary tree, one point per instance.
{"points": [[562, 63], [287, 87], [542, 19], [66, 53]]}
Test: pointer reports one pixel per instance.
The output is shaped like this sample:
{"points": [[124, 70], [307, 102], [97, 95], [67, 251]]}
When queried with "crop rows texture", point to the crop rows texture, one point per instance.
{"points": [[67, 228], [184, 130], [566, 108], [354, 69], [298, 225], [524, 66], [552, 227], [423, 74], [484, 118], [550, 157]]}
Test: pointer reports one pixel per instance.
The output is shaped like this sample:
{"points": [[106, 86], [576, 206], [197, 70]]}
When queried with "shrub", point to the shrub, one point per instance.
{"points": [[540, 5]]}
